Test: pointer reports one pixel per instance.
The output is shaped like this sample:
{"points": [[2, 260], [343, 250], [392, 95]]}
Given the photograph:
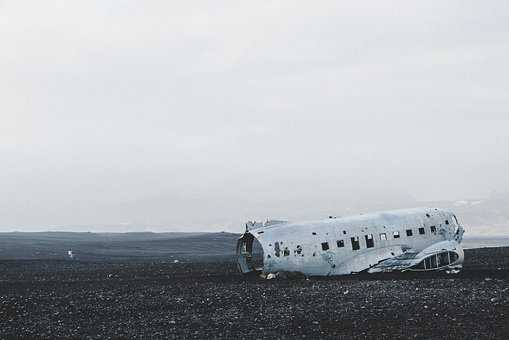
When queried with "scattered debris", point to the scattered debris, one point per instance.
{"points": [[271, 276]]}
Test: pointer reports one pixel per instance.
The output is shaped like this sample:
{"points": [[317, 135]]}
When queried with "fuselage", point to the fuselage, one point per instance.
{"points": [[339, 246]]}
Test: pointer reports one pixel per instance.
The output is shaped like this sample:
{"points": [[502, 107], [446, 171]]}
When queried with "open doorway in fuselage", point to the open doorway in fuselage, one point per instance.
{"points": [[249, 254]]}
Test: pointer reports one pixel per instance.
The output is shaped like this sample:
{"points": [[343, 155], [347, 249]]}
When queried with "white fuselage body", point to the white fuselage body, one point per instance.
{"points": [[328, 247]]}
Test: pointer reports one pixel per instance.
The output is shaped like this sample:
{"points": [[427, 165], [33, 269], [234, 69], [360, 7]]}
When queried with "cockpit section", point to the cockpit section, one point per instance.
{"points": [[444, 255], [437, 261]]}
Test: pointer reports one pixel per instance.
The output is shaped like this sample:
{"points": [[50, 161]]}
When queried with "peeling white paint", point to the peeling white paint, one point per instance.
{"points": [[314, 248]]}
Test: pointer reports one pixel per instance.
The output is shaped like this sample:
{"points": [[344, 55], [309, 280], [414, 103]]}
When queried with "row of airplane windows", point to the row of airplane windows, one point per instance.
{"points": [[370, 242]]}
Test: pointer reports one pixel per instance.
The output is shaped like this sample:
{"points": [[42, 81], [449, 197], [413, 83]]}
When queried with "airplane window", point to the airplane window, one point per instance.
{"points": [[325, 245], [341, 243], [370, 243], [355, 243], [433, 260], [409, 232], [396, 234], [443, 259], [276, 249], [453, 256], [447, 222], [433, 229], [421, 231], [383, 236], [298, 250]]}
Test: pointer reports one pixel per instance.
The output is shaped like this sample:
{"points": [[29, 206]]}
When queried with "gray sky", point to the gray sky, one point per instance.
{"points": [[180, 115]]}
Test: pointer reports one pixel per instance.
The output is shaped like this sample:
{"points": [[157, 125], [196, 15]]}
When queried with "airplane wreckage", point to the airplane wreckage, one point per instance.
{"points": [[421, 239]]}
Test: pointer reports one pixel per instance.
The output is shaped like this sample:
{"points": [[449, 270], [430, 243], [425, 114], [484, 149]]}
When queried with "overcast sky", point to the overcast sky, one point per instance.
{"points": [[199, 115]]}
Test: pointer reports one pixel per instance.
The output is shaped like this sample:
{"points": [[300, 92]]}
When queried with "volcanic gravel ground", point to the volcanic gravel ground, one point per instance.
{"points": [[61, 299]]}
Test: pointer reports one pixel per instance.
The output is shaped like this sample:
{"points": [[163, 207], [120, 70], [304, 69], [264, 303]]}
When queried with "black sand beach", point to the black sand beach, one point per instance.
{"points": [[208, 298]]}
